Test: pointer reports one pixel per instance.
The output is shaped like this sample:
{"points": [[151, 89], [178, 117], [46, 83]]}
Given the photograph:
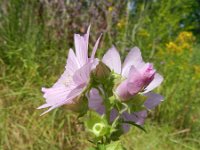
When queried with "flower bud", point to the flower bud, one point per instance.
{"points": [[137, 81], [102, 71]]}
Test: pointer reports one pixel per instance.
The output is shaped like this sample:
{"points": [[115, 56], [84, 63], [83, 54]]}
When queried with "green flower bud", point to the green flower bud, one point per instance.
{"points": [[102, 71]]}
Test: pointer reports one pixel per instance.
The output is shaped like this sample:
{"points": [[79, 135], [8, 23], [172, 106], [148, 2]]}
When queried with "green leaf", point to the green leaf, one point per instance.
{"points": [[101, 147], [91, 148], [114, 146]]}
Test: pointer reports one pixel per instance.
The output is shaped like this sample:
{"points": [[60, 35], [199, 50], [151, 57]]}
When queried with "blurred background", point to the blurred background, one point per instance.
{"points": [[35, 36]]}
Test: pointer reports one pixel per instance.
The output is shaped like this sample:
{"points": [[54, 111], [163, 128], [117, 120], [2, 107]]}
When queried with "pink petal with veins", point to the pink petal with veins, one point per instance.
{"points": [[112, 60]]}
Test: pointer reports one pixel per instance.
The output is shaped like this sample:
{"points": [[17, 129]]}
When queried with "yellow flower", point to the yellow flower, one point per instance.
{"points": [[185, 37], [121, 23], [173, 47], [110, 9], [186, 46], [184, 41]]}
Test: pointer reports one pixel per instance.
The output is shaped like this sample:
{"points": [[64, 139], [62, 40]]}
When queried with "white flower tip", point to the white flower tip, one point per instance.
{"points": [[136, 48], [43, 89], [43, 113], [113, 47], [40, 107], [44, 106], [47, 110], [88, 30]]}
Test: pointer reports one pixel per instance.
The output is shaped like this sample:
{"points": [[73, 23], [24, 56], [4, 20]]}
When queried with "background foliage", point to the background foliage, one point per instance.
{"points": [[34, 40]]}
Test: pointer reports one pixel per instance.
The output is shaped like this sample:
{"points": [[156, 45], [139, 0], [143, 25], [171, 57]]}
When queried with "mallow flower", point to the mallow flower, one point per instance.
{"points": [[138, 77], [69, 87]]}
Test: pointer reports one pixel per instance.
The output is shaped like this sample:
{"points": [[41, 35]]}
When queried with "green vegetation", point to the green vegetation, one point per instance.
{"points": [[34, 40]]}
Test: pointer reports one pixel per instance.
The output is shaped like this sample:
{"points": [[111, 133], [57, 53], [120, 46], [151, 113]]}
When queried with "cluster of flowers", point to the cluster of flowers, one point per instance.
{"points": [[183, 42], [120, 94]]}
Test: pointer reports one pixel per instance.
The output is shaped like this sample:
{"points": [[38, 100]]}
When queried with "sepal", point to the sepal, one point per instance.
{"points": [[96, 124]]}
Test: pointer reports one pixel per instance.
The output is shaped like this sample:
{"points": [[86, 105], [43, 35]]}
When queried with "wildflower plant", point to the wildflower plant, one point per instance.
{"points": [[182, 43], [108, 95]]}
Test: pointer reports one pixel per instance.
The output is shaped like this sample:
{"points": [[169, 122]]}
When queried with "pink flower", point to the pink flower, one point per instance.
{"points": [[75, 77], [139, 77]]}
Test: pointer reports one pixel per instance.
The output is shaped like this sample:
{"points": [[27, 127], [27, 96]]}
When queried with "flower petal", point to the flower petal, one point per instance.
{"points": [[137, 117], [86, 37], [81, 46], [68, 100], [82, 75], [133, 58], [112, 60], [113, 114], [153, 100], [70, 68], [55, 94], [44, 106], [122, 91], [154, 83], [65, 79], [95, 101], [135, 81], [72, 62], [95, 47]]}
